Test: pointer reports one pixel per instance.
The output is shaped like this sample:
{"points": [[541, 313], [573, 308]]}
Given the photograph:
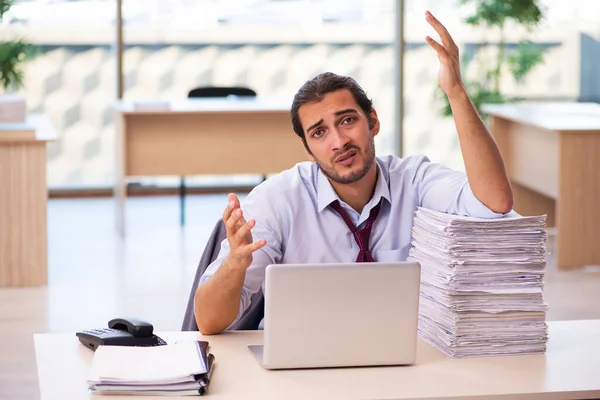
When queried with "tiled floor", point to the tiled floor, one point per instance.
{"points": [[95, 276]]}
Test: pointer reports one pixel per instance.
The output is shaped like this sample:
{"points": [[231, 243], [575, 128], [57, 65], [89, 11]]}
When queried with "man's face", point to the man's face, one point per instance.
{"points": [[338, 136]]}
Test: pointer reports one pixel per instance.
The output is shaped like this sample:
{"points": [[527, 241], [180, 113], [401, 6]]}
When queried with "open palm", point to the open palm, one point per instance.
{"points": [[449, 74]]}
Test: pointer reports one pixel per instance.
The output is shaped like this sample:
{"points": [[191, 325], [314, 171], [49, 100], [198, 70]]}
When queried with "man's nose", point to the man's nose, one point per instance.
{"points": [[340, 140]]}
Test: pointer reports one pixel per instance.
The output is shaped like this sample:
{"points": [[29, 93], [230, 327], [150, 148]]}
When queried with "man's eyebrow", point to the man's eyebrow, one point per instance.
{"points": [[346, 111], [319, 122]]}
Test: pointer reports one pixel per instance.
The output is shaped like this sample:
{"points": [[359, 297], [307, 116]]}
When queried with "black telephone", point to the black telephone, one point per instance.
{"points": [[121, 332]]}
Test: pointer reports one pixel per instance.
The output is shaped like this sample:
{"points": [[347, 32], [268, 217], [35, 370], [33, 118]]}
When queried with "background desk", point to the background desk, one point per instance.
{"points": [[570, 369], [202, 136], [23, 201], [552, 154]]}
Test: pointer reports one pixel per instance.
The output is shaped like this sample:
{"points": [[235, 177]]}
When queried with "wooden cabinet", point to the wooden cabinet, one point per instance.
{"points": [[23, 202], [552, 155]]}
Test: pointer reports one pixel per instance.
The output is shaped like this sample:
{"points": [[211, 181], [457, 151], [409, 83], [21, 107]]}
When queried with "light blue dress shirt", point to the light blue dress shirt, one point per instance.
{"points": [[292, 215]]}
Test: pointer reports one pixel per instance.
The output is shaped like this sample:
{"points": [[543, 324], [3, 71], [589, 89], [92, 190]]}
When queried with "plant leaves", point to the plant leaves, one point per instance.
{"points": [[497, 12], [5, 5], [12, 56], [520, 61], [526, 57]]}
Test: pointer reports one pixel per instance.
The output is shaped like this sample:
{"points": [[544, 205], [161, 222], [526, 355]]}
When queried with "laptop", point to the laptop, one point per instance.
{"points": [[340, 315]]}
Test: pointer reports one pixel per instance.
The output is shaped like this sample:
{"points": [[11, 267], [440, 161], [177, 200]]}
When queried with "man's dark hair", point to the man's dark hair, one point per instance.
{"points": [[315, 90]]}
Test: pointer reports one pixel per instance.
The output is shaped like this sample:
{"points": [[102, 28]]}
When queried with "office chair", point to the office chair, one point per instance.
{"points": [[256, 310], [203, 92], [215, 91]]}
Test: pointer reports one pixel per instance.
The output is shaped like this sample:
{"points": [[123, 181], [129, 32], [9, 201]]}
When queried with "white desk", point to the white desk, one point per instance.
{"points": [[569, 369], [202, 136]]}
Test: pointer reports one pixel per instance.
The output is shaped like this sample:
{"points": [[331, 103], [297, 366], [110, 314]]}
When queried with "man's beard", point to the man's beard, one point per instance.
{"points": [[369, 157]]}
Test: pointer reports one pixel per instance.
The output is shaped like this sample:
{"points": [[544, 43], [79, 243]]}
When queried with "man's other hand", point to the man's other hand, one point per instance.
{"points": [[239, 234]]}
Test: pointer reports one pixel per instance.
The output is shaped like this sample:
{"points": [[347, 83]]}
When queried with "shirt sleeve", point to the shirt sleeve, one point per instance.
{"points": [[260, 207], [443, 189]]}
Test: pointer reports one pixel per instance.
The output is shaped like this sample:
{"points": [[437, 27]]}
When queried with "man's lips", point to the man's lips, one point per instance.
{"points": [[346, 156]]}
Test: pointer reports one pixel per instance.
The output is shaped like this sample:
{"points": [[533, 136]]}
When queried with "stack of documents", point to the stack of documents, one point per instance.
{"points": [[171, 370], [481, 283]]}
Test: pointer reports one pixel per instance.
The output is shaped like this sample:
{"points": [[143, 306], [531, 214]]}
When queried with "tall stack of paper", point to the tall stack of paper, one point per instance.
{"points": [[172, 370], [481, 283]]}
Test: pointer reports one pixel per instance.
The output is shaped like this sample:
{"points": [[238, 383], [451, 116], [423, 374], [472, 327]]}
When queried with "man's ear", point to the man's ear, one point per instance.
{"points": [[307, 150], [375, 122]]}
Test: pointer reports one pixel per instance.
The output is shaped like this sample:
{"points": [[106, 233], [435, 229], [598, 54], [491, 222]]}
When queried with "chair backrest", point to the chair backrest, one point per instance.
{"points": [[214, 91], [255, 312]]}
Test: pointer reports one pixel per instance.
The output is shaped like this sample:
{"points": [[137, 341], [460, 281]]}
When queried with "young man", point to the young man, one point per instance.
{"points": [[309, 213]]}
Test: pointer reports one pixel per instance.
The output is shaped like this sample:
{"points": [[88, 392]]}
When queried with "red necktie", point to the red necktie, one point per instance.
{"points": [[361, 236]]}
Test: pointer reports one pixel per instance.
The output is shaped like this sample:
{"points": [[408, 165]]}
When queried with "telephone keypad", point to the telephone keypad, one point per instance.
{"points": [[102, 331]]}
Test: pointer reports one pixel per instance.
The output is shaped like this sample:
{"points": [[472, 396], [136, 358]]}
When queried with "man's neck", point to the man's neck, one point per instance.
{"points": [[358, 194]]}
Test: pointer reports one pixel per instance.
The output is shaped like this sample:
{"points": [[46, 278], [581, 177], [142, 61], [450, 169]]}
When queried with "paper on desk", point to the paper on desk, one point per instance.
{"points": [[171, 387], [481, 283], [158, 365]]}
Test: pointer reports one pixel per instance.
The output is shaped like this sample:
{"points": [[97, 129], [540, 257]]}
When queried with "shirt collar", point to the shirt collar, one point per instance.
{"points": [[326, 194]]}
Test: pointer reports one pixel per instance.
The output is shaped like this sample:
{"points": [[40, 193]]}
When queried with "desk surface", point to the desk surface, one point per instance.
{"points": [[205, 105], [37, 127], [554, 116], [569, 369]]}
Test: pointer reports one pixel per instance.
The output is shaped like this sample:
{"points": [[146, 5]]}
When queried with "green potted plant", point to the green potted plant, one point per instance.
{"points": [[13, 54], [519, 60]]}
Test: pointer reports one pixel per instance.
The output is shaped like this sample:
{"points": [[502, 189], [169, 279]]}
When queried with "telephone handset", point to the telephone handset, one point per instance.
{"points": [[121, 332]]}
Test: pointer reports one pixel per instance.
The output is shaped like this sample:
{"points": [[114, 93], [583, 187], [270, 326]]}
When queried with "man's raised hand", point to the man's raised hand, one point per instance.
{"points": [[449, 75], [238, 233]]}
